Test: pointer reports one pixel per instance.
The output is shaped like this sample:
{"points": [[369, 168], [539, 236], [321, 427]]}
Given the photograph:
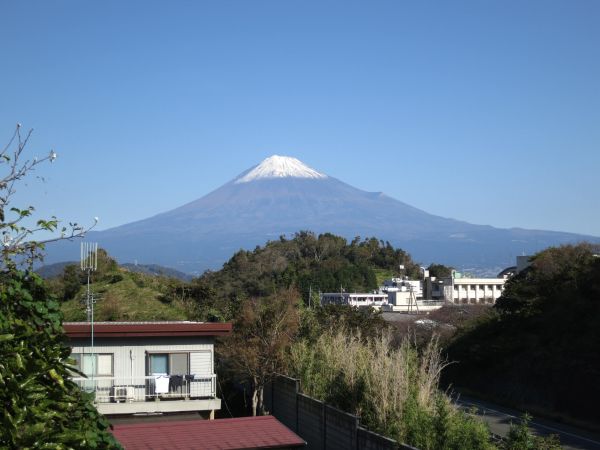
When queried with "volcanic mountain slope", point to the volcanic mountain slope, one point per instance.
{"points": [[281, 196]]}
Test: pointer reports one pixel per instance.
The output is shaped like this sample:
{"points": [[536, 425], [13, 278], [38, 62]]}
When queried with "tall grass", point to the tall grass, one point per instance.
{"points": [[394, 390]]}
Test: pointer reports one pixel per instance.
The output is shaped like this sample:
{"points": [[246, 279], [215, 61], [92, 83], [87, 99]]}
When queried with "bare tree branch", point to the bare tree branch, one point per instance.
{"points": [[14, 231]]}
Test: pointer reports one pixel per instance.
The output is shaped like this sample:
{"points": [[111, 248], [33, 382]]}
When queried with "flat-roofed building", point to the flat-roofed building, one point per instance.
{"points": [[354, 299], [147, 367], [463, 290]]}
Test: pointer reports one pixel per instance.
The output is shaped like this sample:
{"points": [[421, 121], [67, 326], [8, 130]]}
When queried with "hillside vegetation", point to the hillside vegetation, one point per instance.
{"points": [[120, 293], [392, 387], [307, 263], [539, 349]]}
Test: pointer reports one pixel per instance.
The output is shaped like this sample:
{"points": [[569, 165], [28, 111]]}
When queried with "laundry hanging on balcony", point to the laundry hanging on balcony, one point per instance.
{"points": [[175, 382], [161, 384]]}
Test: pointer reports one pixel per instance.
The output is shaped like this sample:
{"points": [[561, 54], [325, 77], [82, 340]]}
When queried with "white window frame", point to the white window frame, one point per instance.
{"points": [[78, 356]]}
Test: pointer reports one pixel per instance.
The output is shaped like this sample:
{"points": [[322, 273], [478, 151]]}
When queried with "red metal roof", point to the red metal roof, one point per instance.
{"points": [[221, 434], [142, 329]]}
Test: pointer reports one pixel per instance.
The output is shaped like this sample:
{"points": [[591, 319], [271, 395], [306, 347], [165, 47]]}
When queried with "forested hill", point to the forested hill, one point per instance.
{"points": [[307, 262], [120, 293], [540, 348]]}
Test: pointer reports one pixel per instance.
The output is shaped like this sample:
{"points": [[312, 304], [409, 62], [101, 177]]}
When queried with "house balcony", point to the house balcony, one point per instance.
{"points": [[151, 394]]}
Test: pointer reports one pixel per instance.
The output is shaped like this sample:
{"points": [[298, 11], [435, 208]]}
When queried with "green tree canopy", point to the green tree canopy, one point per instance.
{"points": [[42, 408], [307, 263], [545, 331], [439, 270]]}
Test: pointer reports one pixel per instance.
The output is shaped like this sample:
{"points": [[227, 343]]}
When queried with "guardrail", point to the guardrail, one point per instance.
{"points": [[140, 389]]}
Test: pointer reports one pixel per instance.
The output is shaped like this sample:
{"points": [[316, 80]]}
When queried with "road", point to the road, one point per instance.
{"points": [[499, 419]]}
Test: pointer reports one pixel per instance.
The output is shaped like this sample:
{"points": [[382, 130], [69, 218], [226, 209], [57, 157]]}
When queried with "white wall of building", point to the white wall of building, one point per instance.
{"points": [[477, 290], [353, 299], [129, 354]]}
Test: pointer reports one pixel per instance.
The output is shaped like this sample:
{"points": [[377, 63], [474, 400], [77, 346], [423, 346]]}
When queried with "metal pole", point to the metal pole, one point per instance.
{"points": [[93, 354], [87, 298], [89, 262]]}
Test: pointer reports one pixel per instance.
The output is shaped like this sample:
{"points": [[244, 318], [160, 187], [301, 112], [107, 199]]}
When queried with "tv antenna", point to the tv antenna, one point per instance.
{"points": [[89, 264]]}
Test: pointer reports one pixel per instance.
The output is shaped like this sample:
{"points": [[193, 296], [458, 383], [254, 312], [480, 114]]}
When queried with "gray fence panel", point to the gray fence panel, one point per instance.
{"points": [[321, 426], [311, 422], [340, 429], [285, 401], [367, 440]]}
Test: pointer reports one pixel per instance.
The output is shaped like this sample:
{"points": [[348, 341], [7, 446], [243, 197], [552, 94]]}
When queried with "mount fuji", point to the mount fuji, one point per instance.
{"points": [[281, 196]]}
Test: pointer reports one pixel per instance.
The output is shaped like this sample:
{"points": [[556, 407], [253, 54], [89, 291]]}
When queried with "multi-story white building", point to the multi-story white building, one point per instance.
{"points": [[462, 290], [476, 290], [147, 367]]}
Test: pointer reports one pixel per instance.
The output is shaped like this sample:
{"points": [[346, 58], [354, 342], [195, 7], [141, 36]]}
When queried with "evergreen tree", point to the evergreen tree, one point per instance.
{"points": [[41, 406]]}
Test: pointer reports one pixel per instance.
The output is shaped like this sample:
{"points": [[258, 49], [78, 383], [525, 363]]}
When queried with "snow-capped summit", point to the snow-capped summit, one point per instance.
{"points": [[280, 167]]}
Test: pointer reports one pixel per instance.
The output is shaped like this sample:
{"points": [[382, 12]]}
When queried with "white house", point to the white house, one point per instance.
{"points": [[147, 367]]}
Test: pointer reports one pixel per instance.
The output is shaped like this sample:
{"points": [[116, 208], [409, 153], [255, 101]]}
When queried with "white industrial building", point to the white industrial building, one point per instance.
{"points": [[463, 290]]}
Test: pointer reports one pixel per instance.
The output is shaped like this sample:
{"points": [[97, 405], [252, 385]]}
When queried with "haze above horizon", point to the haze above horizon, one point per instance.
{"points": [[485, 112]]}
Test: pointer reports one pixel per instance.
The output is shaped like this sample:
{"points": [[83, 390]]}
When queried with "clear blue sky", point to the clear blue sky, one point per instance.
{"points": [[485, 111]]}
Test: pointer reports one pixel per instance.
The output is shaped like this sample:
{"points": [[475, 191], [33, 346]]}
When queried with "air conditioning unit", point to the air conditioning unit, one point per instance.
{"points": [[122, 394]]}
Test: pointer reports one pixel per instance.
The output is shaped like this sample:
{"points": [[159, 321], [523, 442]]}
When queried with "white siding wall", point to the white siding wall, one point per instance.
{"points": [[201, 363], [131, 352]]}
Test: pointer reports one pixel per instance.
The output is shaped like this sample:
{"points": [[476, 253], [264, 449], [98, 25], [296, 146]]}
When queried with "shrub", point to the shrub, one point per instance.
{"points": [[520, 437], [393, 390]]}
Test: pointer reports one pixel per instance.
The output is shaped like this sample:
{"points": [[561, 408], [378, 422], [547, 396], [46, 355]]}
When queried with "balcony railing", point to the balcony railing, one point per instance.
{"points": [[140, 389]]}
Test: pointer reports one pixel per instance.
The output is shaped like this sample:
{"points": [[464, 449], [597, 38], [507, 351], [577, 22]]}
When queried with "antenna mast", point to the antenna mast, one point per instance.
{"points": [[89, 264]]}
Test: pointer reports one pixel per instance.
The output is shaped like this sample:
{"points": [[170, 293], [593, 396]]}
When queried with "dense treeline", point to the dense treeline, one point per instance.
{"points": [[308, 263], [539, 348]]}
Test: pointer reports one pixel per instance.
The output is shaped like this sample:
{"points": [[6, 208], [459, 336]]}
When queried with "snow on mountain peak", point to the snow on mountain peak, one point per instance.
{"points": [[280, 167]]}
